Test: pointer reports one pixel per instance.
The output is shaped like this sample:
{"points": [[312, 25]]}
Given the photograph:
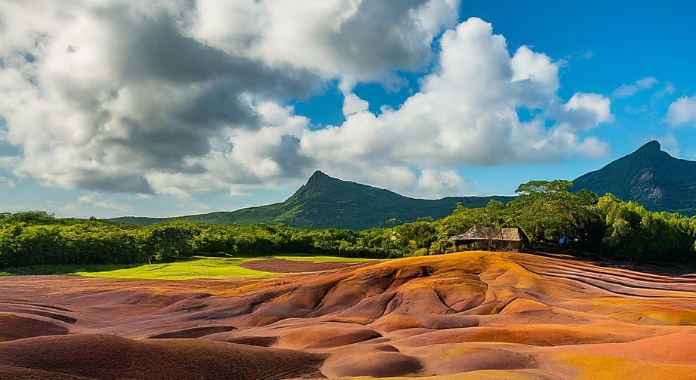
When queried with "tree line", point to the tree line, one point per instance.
{"points": [[552, 217]]}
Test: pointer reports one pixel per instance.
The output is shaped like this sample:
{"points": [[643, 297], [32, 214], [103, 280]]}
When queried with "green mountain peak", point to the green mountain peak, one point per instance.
{"points": [[651, 146], [327, 202], [648, 176]]}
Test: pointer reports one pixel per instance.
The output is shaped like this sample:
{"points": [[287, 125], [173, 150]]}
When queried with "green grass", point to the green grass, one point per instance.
{"points": [[64, 269], [209, 267], [198, 267]]}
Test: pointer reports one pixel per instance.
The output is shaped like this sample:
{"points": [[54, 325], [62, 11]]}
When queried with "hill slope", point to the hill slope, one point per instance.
{"points": [[469, 315], [326, 202], [648, 176]]}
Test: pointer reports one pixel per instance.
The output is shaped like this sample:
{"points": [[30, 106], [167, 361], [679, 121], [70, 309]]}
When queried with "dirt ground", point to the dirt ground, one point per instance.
{"points": [[275, 265], [473, 315]]}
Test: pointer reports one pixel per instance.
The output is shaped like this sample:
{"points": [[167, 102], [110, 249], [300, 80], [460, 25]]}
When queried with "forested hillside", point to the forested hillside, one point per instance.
{"points": [[648, 176], [551, 216], [327, 202]]}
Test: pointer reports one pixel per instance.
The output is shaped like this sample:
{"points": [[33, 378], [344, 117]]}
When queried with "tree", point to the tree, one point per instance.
{"points": [[550, 214], [171, 241], [541, 188]]}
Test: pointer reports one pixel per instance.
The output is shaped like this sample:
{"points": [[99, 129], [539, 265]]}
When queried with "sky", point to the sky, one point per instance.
{"points": [[173, 107]]}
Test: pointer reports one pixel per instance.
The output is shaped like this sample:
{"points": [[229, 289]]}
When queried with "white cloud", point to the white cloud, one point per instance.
{"points": [[466, 114], [241, 158], [352, 104], [96, 201], [647, 82], [585, 111], [433, 181], [593, 147], [628, 90], [668, 89], [181, 97], [6, 182], [137, 97], [9, 162], [115, 94], [670, 144], [588, 55], [682, 112], [351, 39]]}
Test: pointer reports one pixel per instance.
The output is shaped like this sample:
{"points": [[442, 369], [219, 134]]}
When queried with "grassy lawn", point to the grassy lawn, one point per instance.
{"points": [[64, 269], [198, 267], [208, 267]]}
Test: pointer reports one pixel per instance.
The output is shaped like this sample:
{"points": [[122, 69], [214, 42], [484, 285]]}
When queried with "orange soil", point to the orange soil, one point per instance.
{"points": [[461, 316]]}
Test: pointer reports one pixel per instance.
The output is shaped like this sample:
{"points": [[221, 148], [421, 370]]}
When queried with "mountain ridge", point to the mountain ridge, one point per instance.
{"points": [[648, 176], [328, 202]]}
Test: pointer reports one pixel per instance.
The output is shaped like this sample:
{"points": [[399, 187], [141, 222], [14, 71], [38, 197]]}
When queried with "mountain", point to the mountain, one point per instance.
{"points": [[327, 202], [648, 176]]}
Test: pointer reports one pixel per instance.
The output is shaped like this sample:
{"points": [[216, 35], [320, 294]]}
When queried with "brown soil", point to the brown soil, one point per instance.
{"points": [[111, 357], [17, 327], [290, 266], [472, 315]]}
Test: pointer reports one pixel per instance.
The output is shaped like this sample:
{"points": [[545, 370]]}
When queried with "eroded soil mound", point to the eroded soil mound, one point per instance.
{"points": [[18, 327], [111, 357], [468, 315]]}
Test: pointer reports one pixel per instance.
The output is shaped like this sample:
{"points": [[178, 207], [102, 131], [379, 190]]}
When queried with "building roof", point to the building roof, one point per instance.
{"points": [[491, 233]]}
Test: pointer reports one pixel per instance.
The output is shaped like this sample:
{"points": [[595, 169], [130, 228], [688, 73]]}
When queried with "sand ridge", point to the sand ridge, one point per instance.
{"points": [[464, 315]]}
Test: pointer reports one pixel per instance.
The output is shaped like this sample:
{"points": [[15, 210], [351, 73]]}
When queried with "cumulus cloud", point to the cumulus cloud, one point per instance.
{"points": [[182, 97], [240, 158], [682, 112], [434, 181], [585, 111], [351, 39], [136, 97], [352, 104], [628, 90], [116, 92], [95, 201], [466, 114]]}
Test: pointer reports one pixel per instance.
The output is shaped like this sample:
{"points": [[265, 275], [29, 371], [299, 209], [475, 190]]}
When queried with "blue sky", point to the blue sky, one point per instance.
{"points": [[173, 107]]}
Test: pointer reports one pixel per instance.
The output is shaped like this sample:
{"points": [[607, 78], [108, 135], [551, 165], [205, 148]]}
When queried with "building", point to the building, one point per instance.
{"points": [[490, 238]]}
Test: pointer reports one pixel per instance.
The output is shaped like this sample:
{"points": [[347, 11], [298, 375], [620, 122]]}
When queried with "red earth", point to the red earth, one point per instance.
{"points": [[290, 266], [471, 315]]}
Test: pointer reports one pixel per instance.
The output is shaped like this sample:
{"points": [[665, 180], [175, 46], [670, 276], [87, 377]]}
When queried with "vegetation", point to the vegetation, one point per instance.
{"points": [[211, 267], [649, 176], [326, 202], [196, 267], [552, 217], [36, 238]]}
